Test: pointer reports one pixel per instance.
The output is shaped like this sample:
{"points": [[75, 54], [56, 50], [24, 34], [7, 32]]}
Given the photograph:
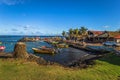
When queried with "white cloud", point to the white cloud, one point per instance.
{"points": [[14, 29], [106, 26], [28, 30], [11, 2], [25, 29]]}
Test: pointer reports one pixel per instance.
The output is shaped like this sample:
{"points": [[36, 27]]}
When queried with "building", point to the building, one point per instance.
{"points": [[93, 36], [117, 38], [102, 36], [94, 33], [108, 36]]}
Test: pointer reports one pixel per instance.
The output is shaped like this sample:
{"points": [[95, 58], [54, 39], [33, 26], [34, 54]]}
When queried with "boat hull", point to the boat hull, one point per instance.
{"points": [[2, 48], [62, 46], [43, 51]]}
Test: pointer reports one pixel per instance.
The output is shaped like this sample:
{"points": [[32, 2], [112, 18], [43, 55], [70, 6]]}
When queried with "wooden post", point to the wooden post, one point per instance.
{"points": [[20, 50]]}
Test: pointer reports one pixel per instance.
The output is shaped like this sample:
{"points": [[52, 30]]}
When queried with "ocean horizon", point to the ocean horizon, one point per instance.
{"points": [[34, 35]]}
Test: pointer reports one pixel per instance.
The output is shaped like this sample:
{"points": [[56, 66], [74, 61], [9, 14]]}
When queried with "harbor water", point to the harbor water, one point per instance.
{"points": [[65, 55]]}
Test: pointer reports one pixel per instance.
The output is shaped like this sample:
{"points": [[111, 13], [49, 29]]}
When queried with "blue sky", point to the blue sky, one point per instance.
{"points": [[47, 17]]}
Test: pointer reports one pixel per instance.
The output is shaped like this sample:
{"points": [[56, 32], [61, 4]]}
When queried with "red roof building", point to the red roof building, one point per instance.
{"points": [[117, 37], [95, 33]]}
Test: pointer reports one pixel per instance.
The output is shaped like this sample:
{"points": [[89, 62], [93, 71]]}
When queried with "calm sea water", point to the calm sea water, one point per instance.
{"points": [[10, 41], [65, 56]]}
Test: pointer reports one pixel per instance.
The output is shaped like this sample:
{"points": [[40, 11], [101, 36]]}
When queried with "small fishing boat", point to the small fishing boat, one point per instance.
{"points": [[44, 50], [62, 45], [54, 42], [2, 48]]}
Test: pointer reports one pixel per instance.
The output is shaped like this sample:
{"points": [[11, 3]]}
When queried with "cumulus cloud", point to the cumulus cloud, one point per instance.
{"points": [[11, 2]]}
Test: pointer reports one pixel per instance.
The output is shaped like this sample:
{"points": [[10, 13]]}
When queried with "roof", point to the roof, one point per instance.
{"points": [[113, 34], [117, 37], [97, 32], [109, 34]]}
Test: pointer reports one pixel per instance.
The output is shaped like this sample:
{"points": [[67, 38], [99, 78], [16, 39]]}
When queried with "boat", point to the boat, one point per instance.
{"points": [[2, 48], [54, 42], [44, 50], [62, 45]]}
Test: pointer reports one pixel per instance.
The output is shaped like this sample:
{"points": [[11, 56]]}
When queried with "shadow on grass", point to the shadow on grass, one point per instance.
{"points": [[111, 58]]}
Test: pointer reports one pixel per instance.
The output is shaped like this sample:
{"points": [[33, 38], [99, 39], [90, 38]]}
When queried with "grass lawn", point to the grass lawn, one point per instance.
{"points": [[107, 68]]}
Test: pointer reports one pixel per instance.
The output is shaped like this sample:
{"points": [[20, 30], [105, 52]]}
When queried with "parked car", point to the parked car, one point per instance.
{"points": [[111, 43], [118, 44]]}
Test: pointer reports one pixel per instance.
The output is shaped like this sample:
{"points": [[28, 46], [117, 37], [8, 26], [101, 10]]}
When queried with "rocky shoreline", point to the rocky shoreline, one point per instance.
{"points": [[26, 39], [87, 58], [20, 53]]}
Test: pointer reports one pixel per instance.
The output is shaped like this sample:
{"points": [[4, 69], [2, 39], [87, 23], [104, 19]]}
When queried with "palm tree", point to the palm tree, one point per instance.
{"points": [[76, 32], [83, 30], [71, 33], [63, 33]]}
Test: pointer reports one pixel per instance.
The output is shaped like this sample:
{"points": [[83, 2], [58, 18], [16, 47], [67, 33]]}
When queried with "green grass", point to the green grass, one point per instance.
{"points": [[107, 68]]}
